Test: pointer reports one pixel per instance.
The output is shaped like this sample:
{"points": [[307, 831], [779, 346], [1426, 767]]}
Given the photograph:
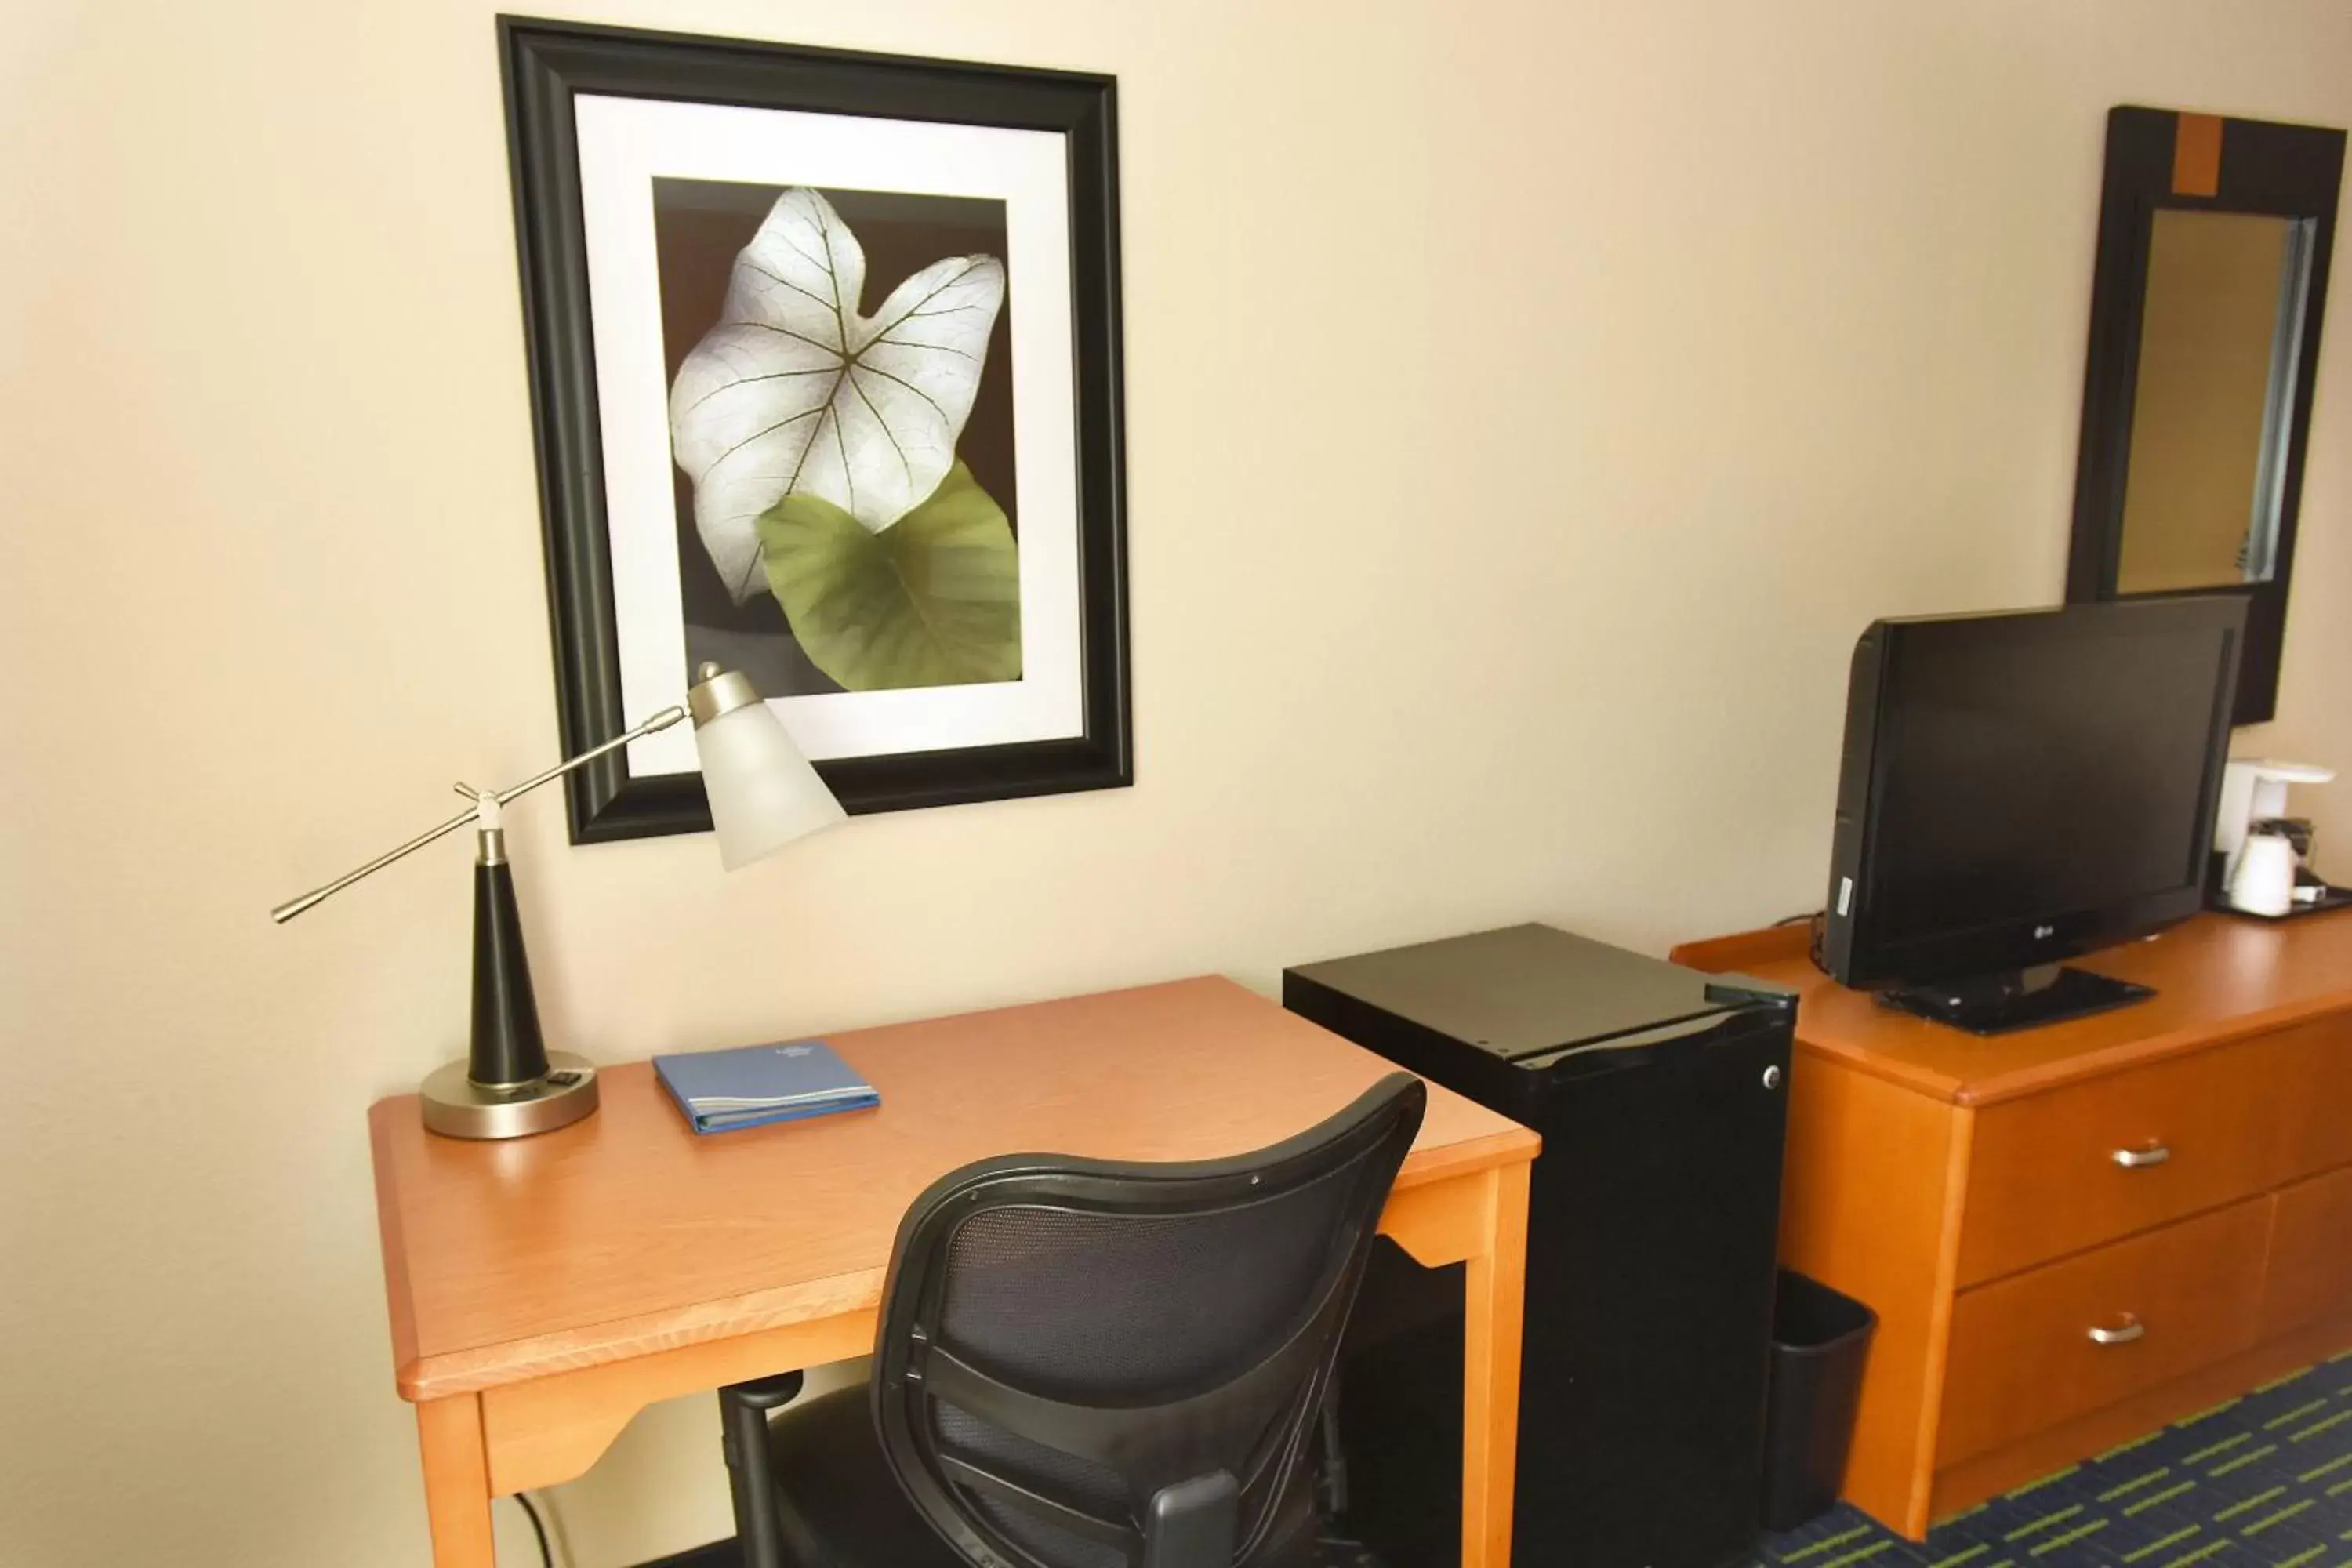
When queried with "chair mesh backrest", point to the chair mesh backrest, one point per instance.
{"points": [[1061, 1337]]}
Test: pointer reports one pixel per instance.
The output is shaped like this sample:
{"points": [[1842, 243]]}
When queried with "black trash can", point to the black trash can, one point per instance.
{"points": [[1819, 1341]]}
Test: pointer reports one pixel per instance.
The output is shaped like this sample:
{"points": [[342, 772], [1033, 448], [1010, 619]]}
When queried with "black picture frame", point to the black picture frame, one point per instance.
{"points": [[544, 64], [2282, 171]]}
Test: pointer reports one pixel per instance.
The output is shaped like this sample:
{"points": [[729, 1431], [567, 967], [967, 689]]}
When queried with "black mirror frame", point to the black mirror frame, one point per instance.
{"points": [[2157, 158]]}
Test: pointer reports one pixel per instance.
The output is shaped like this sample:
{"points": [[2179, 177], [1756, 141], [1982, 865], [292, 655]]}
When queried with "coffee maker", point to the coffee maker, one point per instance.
{"points": [[2274, 879]]}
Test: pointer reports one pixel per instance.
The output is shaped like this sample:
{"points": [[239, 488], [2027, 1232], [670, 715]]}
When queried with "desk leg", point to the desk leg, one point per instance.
{"points": [[457, 1481], [1493, 1288]]}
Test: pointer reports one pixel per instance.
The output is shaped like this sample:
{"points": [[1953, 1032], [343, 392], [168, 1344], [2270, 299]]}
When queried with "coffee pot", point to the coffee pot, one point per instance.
{"points": [[2265, 855]]}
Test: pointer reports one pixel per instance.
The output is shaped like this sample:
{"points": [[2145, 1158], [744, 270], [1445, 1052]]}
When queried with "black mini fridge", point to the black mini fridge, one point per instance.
{"points": [[1660, 1094]]}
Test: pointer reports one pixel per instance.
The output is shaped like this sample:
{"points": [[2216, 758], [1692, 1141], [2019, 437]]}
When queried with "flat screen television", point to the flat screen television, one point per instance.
{"points": [[2021, 788]]}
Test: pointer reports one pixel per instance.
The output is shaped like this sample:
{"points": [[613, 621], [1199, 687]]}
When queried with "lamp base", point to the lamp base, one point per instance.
{"points": [[456, 1106]]}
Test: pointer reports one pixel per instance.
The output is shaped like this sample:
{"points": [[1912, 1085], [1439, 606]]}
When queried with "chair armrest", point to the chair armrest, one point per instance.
{"points": [[1192, 1523], [750, 1471]]}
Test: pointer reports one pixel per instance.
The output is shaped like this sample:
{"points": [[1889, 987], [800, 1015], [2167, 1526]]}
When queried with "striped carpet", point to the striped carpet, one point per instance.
{"points": [[2264, 1481]]}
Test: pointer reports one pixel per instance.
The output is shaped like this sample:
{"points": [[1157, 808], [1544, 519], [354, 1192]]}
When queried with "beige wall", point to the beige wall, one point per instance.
{"points": [[1528, 403]]}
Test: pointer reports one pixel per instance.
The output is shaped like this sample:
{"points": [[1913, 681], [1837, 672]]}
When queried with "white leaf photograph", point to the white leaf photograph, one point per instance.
{"points": [[803, 409]]}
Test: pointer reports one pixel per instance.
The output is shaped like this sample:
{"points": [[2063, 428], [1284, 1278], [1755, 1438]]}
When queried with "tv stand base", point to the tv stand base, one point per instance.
{"points": [[2015, 998]]}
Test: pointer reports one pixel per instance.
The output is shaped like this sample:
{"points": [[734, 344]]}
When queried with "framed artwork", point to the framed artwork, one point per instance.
{"points": [[825, 370]]}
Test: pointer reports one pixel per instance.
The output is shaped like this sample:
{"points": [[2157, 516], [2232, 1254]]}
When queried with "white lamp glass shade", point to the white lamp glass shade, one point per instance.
{"points": [[764, 793]]}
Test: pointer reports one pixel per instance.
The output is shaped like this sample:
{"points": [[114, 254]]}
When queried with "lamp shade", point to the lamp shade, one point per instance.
{"points": [[763, 792]]}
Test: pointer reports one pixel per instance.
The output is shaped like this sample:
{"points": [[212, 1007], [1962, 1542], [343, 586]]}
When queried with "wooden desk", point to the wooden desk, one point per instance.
{"points": [[542, 1291], [2179, 1169]]}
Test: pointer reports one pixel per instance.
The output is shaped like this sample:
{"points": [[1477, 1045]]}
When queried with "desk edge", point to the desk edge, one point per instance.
{"points": [[421, 1378], [399, 1296]]}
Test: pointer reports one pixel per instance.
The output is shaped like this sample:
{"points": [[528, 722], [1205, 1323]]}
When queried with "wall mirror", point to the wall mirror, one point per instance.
{"points": [[2214, 239]]}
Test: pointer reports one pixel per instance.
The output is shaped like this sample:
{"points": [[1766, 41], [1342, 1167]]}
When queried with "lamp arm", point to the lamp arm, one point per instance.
{"points": [[292, 907], [661, 721]]}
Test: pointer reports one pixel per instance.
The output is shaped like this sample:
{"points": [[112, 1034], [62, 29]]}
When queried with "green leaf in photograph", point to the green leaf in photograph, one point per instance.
{"points": [[933, 600]]}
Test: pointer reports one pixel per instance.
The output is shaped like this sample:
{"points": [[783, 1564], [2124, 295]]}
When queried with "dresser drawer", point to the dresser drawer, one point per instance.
{"points": [[2022, 1356], [2054, 1172], [2310, 1254], [2323, 1095]]}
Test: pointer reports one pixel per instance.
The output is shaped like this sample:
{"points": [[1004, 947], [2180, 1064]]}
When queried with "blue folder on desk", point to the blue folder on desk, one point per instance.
{"points": [[754, 1085]]}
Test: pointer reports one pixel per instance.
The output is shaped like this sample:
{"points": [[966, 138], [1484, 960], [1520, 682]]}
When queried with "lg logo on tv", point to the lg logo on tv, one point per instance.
{"points": [[2044, 933]]}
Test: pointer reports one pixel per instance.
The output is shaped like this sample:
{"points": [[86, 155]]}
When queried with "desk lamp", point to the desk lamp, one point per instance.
{"points": [[763, 794]]}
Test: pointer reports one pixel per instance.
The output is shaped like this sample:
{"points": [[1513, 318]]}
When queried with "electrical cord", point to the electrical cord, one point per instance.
{"points": [[546, 1557]]}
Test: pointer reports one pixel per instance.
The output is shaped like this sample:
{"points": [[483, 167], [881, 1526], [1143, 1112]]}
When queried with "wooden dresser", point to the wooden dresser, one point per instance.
{"points": [[2075, 1234]]}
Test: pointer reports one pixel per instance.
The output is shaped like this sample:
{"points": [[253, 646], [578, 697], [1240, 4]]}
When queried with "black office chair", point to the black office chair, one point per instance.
{"points": [[1084, 1363]]}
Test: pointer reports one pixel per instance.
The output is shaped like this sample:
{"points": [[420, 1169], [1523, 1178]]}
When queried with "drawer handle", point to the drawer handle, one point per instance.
{"points": [[2147, 1154], [2132, 1328]]}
